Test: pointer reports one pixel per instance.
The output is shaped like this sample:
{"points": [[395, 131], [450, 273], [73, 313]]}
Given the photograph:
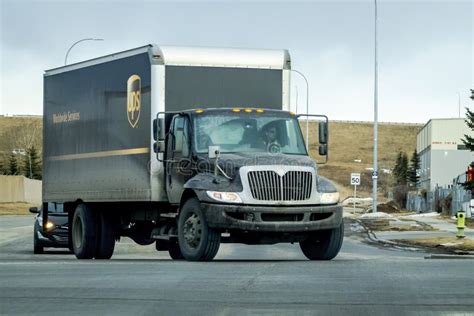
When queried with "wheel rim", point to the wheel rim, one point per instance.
{"points": [[77, 233], [192, 231]]}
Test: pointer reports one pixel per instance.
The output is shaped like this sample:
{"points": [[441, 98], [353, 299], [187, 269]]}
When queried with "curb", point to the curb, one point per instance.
{"points": [[450, 257]]}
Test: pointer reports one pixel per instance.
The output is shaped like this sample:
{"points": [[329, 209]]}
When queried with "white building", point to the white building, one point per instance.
{"points": [[443, 155]]}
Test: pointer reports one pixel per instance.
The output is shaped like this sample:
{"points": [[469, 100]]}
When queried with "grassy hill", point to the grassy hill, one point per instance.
{"points": [[353, 141], [348, 141]]}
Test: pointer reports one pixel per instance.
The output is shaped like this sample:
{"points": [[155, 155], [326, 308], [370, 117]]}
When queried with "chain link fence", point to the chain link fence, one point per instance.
{"points": [[444, 200]]}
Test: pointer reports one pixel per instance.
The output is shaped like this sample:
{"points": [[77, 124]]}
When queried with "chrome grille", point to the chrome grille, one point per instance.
{"points": [[269, 186]]}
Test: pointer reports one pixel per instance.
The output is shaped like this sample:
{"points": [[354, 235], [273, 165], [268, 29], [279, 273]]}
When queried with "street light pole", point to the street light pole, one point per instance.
{"points": [[307, 106], [81, 40], [375, 171]]}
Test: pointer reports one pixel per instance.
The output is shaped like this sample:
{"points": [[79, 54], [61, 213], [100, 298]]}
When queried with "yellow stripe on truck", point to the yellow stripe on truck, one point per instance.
{"points": [[102, 154]]}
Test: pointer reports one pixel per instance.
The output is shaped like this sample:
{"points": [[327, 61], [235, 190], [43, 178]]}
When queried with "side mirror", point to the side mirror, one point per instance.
{"points": [[159, 131], [155, 129], [323, 133], [34, 210], [323, 150]]}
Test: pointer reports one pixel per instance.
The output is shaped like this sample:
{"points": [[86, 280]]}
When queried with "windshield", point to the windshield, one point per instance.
{"points": [[248, 132]]}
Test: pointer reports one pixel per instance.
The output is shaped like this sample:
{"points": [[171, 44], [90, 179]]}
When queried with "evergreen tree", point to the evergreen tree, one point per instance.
{"points": [[401, 169], [469, 140], [396, 169], [12, 165], [3, 169], [32, 158], [404, 169], [413, 177]]}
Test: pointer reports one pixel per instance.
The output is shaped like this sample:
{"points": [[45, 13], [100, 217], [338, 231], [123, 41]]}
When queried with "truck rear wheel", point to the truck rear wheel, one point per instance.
{"points": [[84, 232], [323, 245], [106, 238], [197, 241]]}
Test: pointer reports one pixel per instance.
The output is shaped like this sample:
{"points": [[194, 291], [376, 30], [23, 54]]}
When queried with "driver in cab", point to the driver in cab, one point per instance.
{"points": [[270, 140]]}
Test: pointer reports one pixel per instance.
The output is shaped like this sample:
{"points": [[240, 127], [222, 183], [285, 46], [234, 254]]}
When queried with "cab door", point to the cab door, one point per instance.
{"points": [[177, 160]]}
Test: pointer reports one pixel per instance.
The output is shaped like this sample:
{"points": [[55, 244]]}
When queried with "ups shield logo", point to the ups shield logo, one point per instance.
{"points": [[133, 100]]}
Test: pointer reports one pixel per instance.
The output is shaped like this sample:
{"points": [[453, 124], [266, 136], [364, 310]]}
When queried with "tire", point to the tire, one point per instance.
{"points": [[37, 247], [323, 245], [175, 251], [106, 238], [84, 232], [197, 241]]}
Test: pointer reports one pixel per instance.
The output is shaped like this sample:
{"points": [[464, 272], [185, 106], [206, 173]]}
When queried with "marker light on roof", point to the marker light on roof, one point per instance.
{"points": [[248, 110], [260, 110], [199, 111], [236, 110]]}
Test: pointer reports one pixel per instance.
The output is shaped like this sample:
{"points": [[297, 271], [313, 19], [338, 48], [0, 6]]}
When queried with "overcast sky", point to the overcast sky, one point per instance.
{"points": [[425, 47]]}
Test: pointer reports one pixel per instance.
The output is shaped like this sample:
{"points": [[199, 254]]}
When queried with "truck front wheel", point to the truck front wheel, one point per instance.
{"points": [[175, 251], [197, 241], [84, 232], [323, 245]]}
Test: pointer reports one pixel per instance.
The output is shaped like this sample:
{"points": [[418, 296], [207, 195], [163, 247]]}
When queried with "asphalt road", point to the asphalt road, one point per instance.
{"points": [[269, 280]]}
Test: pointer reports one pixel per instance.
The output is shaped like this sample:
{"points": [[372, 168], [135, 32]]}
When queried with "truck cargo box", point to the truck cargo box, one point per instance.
{"points": [[98, 114]]}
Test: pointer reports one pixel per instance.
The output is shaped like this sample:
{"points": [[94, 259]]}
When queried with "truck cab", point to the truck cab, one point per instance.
{"points": [[246, 173]]}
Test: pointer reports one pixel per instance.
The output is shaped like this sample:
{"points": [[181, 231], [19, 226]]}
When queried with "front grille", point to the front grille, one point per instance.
{"points": [[271, 217], [269, 186]]}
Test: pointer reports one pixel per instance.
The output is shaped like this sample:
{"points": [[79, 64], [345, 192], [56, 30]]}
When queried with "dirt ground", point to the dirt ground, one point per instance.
{"points": [[15, 208], [446, 243]]}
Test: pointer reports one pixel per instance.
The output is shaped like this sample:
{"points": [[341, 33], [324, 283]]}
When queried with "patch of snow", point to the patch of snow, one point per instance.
{"points": [[431, 214], [376, 215], [358, 201], [451, 244], [356, 227]]}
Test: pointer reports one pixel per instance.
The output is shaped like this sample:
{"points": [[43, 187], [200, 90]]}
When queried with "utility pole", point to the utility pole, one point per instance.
{"points": [[375, 171]]}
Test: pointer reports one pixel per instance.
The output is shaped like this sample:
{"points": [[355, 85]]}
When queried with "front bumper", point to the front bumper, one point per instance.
{"points": [[272, 219], [53, 239]]}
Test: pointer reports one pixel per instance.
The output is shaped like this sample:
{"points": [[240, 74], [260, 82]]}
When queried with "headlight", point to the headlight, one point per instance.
{"points": [[49, 226], [324, 185], [330, 198], [228, 197]]}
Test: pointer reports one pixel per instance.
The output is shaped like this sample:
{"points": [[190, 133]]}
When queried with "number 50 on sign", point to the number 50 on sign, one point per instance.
{"points": [[355, 178]]}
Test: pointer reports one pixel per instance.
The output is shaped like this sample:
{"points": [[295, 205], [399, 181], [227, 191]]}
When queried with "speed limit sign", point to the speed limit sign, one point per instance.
{"points": [[355, 178]]}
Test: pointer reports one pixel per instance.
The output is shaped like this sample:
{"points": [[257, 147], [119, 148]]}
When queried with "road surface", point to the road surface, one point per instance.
{"points": [[248, 280]]}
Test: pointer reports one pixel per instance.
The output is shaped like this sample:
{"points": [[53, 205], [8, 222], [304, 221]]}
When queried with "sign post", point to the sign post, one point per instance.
{"points": [[355, 181]]}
